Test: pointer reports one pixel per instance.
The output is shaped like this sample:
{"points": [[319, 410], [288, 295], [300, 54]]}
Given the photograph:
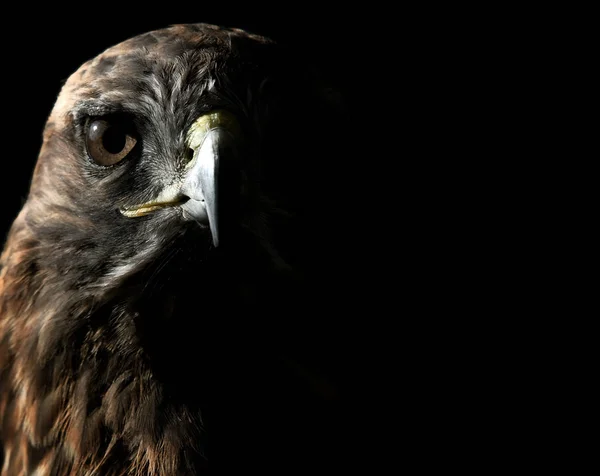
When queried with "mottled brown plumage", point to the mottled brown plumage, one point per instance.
{"points": [[104, 320]]}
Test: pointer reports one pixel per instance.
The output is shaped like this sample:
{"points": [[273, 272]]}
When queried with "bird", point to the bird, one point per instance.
{"points": [[174, 240]]}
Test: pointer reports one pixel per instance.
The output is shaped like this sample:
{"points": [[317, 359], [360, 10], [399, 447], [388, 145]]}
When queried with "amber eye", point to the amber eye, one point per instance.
{"points": [[109, 142]]}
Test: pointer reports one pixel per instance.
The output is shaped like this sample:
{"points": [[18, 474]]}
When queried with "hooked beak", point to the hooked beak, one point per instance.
{"points": [[213, 138]]}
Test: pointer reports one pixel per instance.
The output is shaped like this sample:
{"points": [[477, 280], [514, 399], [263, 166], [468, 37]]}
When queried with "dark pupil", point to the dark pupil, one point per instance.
{"points": [[113, 140]]}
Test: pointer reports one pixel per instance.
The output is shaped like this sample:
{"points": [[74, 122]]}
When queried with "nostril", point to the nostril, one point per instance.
{"points": [[190, 154]]}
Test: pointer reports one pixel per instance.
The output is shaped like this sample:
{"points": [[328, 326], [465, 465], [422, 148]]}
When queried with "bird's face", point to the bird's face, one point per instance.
{"points": [[153, 149]]}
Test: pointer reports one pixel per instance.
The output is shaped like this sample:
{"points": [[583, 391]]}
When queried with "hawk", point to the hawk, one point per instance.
{"points": [[169, 247]]}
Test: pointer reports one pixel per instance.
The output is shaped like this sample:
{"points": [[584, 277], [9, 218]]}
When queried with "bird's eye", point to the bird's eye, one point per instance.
{"points": [[109, 142]]}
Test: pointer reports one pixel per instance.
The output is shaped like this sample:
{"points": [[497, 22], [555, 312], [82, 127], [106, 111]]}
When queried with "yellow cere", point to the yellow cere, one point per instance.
{"points": [[213, 120]]}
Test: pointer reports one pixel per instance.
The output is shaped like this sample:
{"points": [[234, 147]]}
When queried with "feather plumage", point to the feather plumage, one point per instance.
{"points": [[106, 321]]}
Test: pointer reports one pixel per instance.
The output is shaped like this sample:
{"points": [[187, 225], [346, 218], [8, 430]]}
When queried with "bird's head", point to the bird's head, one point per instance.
{"points": [[183, 186], [166, 148]]}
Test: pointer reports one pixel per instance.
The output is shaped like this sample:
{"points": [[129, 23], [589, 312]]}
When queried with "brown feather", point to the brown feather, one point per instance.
{"points": [[94, 335]]}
